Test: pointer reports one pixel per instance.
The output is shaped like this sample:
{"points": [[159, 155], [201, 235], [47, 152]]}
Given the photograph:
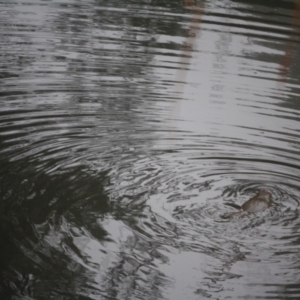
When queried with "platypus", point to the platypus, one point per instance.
{"points": [[258, 203]]}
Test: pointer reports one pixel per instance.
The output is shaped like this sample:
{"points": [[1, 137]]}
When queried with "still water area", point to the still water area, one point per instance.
{"points": [[127, 130]]}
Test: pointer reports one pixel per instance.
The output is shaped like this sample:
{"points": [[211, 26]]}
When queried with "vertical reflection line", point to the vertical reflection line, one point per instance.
{"points": [[290, 47], [197, 10]]}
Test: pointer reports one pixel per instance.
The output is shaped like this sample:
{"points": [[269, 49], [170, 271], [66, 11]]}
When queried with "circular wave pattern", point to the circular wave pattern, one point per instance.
{"points": [[127, 128]]}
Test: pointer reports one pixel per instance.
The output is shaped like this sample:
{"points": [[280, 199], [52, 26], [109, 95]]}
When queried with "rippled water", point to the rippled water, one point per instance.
{"points": [[125, 129]]}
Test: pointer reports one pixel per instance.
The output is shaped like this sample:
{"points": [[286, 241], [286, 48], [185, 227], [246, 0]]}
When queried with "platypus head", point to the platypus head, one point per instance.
{"points": [[265, 194]]}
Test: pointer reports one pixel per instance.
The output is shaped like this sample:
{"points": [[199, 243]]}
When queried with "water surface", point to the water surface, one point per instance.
{"points": [[125, 128]]}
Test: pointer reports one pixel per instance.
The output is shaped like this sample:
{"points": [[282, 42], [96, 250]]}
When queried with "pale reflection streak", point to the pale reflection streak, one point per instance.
{"points": [[197, 10], [290, 50]]}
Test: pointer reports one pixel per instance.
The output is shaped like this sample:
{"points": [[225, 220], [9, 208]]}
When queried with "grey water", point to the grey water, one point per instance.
{"points": [[125, 129]]}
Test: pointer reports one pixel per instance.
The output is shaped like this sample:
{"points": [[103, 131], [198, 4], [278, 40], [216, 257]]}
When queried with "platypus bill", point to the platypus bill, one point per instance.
{"points": [[258, 203]]}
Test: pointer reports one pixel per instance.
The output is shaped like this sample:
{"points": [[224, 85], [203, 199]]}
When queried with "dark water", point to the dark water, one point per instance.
{"points": [[125, 126]]}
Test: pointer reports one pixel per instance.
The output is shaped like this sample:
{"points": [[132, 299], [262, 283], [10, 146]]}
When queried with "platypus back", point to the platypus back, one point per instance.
{"points": [[258, 203]]}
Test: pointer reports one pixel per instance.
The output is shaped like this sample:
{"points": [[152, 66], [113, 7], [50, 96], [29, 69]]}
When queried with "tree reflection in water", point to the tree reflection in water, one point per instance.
{"points": [[54, 244]]}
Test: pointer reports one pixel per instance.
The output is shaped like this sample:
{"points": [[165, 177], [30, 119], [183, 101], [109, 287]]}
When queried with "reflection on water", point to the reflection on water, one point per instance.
{"points": [[126, 128]]}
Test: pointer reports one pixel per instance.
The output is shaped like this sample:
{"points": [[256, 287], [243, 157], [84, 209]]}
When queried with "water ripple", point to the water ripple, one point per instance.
{"points": [[126, 128]]}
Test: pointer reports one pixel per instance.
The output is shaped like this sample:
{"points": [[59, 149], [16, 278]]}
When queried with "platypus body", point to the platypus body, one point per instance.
{"points": [[258, 203]]}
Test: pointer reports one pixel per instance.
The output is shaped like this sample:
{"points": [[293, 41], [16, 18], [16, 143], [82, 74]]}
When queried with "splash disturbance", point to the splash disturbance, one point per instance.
{"points": [[128, 128]]}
